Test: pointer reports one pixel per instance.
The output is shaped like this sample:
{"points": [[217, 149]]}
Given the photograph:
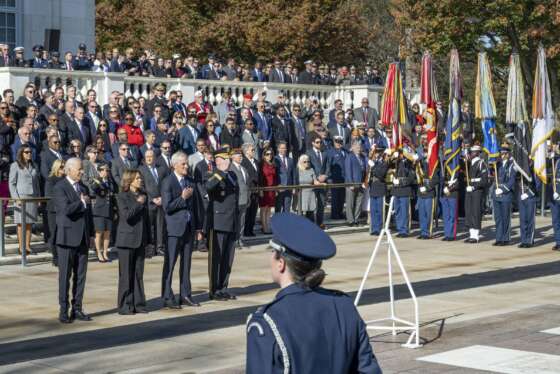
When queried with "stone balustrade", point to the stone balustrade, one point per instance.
{"points": [[105, 83]]}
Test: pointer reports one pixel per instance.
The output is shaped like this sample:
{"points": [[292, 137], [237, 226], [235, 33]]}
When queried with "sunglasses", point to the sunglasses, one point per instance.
{"points": [[102, 125], [129, 119], [268, 154]]}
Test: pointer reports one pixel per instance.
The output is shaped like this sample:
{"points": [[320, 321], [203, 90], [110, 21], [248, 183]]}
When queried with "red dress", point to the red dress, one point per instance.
{"points": [[268, 178]]}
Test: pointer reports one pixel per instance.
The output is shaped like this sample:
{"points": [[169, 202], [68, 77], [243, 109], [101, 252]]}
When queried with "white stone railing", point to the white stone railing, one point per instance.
{"points": [[105, 83]]}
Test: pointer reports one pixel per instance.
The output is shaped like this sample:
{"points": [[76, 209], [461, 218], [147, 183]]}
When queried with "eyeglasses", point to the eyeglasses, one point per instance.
{"points": [[102, 125]]}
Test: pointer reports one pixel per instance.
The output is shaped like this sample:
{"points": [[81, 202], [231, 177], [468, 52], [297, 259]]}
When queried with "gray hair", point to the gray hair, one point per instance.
{"points": [[71, 163], [178, 156], [246, 146]]}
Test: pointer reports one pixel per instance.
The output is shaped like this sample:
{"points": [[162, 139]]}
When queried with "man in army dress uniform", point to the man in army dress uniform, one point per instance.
{"points": [[223, 195]]}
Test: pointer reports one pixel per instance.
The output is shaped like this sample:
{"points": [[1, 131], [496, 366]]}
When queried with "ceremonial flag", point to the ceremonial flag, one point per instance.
{"points": [[485, 108], [429, 96], [452, 145], [543, 116], [394, 108], [517, 120]]}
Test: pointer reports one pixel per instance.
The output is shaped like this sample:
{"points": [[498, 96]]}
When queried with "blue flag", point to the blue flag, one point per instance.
{"points": [[452, 137], [490, 141]]}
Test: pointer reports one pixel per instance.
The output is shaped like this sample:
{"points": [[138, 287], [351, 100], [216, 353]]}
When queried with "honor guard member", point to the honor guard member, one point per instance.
{"points": [[377, 171], [555, 200], [426, 201], [402, 191], [306, 328], [223, 196], [503, 196], [449, 205], [477, 177], [527, 205], [38, 62]]}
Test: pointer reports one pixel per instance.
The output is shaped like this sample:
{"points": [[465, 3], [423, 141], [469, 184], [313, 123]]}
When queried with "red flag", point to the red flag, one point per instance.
{"points": [[428, 96]]}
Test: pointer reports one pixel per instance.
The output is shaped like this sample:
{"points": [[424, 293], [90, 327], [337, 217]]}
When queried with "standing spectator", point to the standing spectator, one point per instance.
{"points": [[103, 188], [286, 172], [133, 234], [319, 165], [152, 176], [227, 105], [249, 135], [202, 172], [150, 144], [134, 133], [306, 76], [306, 176], [56, 174], [5, 58], [230, 70], [298, 143], [90, 165], [263, 124], [354, 172], [177, 198], [188, 135], [268, 178], [339, 128], [210, 137], [122, 138], [198, 156], [24, 138], [79, 128], [281, 128], [24, 182], [73, 212], [257, 73], [251, 165], [75, 149], [158, 99], [164, 159], [122, 162], [277, 73], [336, 158], [230, 136], [49, 155], [243, 182]]}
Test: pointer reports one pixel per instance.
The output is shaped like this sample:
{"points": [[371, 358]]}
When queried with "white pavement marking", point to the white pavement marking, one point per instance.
{"points": [[499, 360], [555, 331]]}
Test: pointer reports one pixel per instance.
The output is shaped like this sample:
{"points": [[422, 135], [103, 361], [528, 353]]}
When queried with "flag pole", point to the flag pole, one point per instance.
{"points": [[496, 174]]}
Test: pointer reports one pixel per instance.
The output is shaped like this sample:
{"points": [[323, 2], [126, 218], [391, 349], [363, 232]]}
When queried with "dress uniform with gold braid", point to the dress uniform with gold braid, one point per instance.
{"points": [[222, 223], [502, 195]]}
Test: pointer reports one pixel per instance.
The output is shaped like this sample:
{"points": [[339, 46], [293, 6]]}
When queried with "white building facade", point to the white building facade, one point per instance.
{"points": [[58, 25]]}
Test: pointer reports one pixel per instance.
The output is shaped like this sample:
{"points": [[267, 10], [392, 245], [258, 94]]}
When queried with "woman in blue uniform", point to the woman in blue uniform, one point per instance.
{"points": [[306, 328]]}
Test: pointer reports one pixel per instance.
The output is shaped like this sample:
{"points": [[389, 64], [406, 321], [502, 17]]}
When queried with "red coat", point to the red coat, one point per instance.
{"points": [[202, 110], [135, 135]]}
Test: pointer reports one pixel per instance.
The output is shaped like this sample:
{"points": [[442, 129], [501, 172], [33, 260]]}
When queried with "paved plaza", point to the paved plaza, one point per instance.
{"points": [[482, 309]]}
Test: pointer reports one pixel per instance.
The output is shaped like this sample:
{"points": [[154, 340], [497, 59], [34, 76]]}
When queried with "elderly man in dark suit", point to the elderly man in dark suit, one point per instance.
{"points": [[49, 155], [341, 129], [177, 197], [366, 114], [354, 172], [73, 222], [79, 128], [152, 176]]}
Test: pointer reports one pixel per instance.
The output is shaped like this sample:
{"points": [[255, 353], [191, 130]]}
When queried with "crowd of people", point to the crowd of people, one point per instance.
{"points": [[170, 177], [148, 64]]}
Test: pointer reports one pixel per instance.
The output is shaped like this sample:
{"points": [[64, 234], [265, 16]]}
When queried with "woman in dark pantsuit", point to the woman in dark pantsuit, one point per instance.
{"points": [[103, 189], [133, 234]]}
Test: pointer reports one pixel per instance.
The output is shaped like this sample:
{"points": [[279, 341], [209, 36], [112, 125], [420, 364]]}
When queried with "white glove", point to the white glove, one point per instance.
{"points": [[396, 181], [371, 163], [499, 191], [470, 188], [422, 189], [415, 157], [556, 196], [446, 190], [450, 183], [524, 196], [387, 151]]}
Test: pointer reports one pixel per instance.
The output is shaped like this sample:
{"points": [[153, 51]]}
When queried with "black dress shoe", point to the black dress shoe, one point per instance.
{"points": [[522, 245], [126, 312], [556, 248], [219, 296], [80, 315], [506, 243], [171, 304], [188, 301], [497, 244], [63, 317], [141, 310], [229, 295], [376, 233], [471, 241], [402, 235]]}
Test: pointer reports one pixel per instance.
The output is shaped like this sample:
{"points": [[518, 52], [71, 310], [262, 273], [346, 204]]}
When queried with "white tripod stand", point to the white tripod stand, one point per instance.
{"points": [[396, 323]]}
